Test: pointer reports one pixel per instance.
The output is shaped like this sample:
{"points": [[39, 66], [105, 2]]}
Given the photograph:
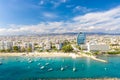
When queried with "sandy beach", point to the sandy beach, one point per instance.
{"points": [[51, 54], [42, 54]]}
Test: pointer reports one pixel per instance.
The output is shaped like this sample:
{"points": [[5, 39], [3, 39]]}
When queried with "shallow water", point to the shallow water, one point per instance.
{"points": [[20, 68]]}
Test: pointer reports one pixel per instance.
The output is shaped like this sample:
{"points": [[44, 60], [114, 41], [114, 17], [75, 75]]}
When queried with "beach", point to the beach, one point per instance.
{"points": [[41, 54], [52, 54]]}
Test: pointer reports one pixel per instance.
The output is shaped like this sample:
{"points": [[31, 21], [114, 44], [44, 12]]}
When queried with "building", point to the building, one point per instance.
{"points": [[81, 38], [5, 45], [59, 46], [29, 46], [48, 45], [1, 45], [97, 47]]}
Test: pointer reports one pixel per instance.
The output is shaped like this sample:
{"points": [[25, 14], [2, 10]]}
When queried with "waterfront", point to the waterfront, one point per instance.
{"points": [[25, 68]]}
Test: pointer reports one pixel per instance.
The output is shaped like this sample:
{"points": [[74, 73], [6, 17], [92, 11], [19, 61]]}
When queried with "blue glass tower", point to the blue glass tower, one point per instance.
{"points": [[81, 38]]}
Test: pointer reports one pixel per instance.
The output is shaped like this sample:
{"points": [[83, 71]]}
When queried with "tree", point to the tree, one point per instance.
{"points": [[23, 49], [67, 48], [8, 50], [16, 48], [29, 49]]}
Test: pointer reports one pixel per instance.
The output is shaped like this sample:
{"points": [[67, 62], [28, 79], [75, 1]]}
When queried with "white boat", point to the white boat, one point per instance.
{"points": [[50, 69], [38, 64], [105, 69], [74, 69], [47, 64], [42, 67], [0, 63], [30, 61], [62, 69]]}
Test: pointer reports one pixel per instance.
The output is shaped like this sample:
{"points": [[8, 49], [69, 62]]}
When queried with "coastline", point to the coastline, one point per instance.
{"points": [[52, 54], [40, 54]]}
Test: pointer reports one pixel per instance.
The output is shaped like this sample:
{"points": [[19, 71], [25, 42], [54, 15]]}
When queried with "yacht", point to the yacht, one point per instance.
{"points": [[0, 63], [30, 61], [42, 67], [74, 69], [62, 69], [50, 69], [38, 64], [47, 64]]}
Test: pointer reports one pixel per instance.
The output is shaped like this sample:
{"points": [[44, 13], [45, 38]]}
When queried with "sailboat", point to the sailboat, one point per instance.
{"points": [[62, 68], [74, 68]]}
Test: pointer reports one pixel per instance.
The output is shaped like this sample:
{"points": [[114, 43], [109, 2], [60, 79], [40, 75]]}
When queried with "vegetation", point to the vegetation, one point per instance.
{"points": [[77, 46], [114, 52], [67, 48], [16, 49], [29, 49], [23, 50]]}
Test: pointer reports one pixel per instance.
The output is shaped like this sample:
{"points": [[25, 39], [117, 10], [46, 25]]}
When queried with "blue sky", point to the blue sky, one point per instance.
{"points": [[20, 16]]}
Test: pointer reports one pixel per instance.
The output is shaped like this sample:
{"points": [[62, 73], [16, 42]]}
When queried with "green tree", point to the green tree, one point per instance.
{"points": [[2, 50], [23, 49], [29, 49], [8, 50], [67, 48], [15, 48]]}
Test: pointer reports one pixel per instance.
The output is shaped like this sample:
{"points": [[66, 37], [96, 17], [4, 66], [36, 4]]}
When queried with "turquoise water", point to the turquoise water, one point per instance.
{"points": [[19, 68]]}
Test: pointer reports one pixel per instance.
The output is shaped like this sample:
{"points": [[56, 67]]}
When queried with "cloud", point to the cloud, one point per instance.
{"points": [[105, 21], [49, 15], [57, 3], [81, 9], [41, 2]]}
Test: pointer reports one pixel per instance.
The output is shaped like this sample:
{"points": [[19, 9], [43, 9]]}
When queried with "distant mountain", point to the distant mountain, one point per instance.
{"points": [[69, 33]]}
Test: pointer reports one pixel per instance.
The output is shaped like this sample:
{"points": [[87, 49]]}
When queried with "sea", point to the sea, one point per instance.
{"points": [[37, 68]]}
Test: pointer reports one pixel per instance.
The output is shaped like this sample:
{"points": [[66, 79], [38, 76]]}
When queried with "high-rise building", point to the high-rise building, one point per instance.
{"points": [[81, 38]]}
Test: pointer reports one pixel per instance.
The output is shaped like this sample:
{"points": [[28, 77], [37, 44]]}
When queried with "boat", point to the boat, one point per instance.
{"points": [[50, 69], [38, 64], [62, 69], [105, 69], [74, 69], [30, 61], [42, 67], [0, 63], [47, 64]]}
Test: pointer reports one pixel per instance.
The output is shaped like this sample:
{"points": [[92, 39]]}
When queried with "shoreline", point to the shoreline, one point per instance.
{"points": [[40, 54], [51, 54]]}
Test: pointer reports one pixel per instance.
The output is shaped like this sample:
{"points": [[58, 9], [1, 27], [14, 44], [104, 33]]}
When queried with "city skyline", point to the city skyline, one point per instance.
{"points": [[54, 16]]}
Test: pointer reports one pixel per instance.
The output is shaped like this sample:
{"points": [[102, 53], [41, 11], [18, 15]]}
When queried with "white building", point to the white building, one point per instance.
{"points": [[4, 45], [29, 45], [48, 45], [97, 47], [59, 46], [1, 45]]}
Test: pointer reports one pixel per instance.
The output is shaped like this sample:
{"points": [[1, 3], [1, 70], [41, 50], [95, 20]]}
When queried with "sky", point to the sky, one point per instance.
{"points": [[59, 16]]}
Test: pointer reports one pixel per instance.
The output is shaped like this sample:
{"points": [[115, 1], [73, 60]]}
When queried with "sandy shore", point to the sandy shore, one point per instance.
{"points": [[51, 54], [42, 54]]}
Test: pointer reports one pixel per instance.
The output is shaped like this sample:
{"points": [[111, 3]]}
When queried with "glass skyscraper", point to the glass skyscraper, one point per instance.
{"points": [[81, 38]]}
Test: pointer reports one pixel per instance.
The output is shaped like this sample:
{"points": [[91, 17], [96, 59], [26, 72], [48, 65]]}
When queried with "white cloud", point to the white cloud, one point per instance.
{"points": [[106, 21], [49, 15], [57, 3], [41, 2], [81, 9]]}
